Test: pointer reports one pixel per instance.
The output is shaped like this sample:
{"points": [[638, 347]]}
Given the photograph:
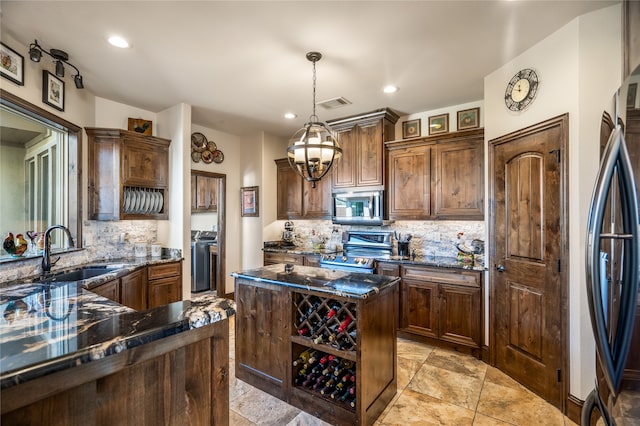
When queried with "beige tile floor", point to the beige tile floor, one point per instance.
{"points": [[435, 387]]}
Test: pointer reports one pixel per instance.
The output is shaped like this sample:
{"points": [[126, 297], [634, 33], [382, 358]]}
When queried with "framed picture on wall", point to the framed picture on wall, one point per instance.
{"points": [[52, 90], [469, 119], [631, 95], [410, 129], [12, 65], [439, 124], [250, 201]]}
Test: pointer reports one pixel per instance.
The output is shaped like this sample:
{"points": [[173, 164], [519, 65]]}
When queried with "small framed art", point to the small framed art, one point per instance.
{"points": [[469, 119], [11, 65], [439, 124], [52, 90], [250, 201], [139, 125], [410, 129]]}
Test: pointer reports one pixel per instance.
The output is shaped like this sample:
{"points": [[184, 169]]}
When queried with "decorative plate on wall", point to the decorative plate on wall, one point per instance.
{"points": [[202, 149]]}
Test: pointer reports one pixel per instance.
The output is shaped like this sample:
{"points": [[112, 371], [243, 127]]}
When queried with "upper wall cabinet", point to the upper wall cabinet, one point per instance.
{"points": [[438, 177], [128, 175], [362, 139], [204, 193], [297, 199]]}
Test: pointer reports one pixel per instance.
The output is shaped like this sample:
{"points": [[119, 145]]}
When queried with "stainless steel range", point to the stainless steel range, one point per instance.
{"points": [[360, 250]]}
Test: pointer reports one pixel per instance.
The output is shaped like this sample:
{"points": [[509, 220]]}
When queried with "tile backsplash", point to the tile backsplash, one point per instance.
{"points": [[101, 241], [429, 238]]}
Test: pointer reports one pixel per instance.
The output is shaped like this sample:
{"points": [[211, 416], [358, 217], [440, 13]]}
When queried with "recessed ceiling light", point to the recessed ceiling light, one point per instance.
{"points": [[290, 115], [118, 41], [390, 89]]}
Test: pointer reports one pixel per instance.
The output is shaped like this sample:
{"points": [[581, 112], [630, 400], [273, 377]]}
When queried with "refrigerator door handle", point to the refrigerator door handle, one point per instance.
{"points": [[613, 351]]}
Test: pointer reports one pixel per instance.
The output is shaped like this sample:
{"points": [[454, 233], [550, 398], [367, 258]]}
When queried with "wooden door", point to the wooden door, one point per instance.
{"points": [[133, 290], [164, 291], [344, 170], [460, 314], [316, 202], [419, 307], [289, 192], [370, 157], [458, 184], [410, 183], [528, 226]]}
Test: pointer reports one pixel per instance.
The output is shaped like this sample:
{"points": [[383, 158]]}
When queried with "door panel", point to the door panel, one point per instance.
{"points": [[527, 226]]}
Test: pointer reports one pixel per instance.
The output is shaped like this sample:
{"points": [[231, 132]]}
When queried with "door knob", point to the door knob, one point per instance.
{"points": [[500, 268]]}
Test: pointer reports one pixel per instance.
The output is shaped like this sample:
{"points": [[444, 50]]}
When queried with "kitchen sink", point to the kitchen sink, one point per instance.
{"points": [[79, 274]]}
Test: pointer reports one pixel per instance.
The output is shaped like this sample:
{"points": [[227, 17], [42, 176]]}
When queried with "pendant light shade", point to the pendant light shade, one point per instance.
{"points": [[313, 149]]}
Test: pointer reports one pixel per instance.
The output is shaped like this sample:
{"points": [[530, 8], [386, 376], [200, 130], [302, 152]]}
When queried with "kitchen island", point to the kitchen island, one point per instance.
{"points": [[70, 356], [321, 340]]}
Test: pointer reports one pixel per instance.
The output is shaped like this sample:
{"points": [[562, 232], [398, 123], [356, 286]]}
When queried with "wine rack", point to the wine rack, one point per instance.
{"points": [[325, 376], [327, 322]]}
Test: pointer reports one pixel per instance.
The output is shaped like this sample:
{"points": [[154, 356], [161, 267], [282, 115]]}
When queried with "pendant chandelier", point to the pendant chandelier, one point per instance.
{"points": [[313, 148]]}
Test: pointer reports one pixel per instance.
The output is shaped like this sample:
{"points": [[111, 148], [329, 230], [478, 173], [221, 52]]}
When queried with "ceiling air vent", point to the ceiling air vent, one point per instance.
{"points": [[334, 103]]}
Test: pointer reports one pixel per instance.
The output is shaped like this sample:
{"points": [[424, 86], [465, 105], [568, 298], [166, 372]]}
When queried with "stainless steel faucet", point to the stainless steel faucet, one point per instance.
{"points": [[46, 253]]}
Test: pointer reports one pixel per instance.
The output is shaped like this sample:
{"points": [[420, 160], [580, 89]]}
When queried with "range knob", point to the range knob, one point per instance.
{"points": [[344, 258]]}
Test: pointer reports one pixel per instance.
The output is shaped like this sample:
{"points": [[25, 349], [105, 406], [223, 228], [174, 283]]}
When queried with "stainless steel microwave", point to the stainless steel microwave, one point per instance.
{"points": [[358, 208]]}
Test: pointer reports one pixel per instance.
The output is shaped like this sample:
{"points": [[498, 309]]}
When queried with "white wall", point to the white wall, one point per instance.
{"points": [[274, 149], [233, 148], [579, 69]]}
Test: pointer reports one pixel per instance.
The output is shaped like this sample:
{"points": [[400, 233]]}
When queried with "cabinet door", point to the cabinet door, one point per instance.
{"points": [[312, 260], [194, 193], [263, 320], [419, 307], [104, 177], [110, 290], [459, 179], [206, 193], [164, 291], [133, 290], [370, 155], [144, 164], [316, 202], [410, 183], [460, 314], [344, 170], [391, 269], [289, 192], [292, 258]]}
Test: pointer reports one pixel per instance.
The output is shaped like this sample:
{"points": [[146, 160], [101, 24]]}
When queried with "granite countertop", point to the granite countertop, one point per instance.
{"points": [[49, 327], [298, 250], [338, 283]]}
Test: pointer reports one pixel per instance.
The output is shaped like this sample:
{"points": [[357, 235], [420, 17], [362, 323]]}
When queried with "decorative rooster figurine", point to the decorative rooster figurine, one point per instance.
{"points": [[22, 245], [9, 244]]}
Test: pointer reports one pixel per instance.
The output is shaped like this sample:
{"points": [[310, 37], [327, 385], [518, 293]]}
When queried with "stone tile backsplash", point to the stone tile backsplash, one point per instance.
{"points": [[102, 241], [429, 238]]}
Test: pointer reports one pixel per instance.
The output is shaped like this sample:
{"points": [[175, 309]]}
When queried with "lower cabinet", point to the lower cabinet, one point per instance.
{"points": [[145, 288], [271, 258], [441, 304], [164, 283]]}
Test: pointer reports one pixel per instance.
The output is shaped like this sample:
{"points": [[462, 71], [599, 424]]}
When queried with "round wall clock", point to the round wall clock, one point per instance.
{"points": [[521, 90]]}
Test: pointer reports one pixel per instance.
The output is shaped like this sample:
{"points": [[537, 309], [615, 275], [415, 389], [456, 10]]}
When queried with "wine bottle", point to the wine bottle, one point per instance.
{"points": [[312, 308], [337, 391], [345, 364], [347, 393], [320, 383], [304, 331], [344, 324], [304, 357], [328, 386]]}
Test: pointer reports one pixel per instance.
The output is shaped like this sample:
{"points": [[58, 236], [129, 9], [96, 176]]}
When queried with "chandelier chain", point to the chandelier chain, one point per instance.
{"points": [[314, 117]]}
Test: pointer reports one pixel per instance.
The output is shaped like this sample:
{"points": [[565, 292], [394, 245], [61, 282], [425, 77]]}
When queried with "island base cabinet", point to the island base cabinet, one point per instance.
{"points": [[183, 380], [277, 326]]}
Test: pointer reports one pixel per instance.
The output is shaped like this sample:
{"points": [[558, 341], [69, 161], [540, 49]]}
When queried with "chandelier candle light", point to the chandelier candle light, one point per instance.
{"points": [[313, 148]]}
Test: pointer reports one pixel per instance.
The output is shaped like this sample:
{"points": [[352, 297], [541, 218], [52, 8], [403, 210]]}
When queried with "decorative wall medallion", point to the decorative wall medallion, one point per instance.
{"points": [[202, 149]]}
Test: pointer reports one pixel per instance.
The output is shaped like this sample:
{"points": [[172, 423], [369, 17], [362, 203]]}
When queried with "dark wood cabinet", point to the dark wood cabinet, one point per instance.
{"points": [[271, 258], [458, 179], [439, 304], [145, 288], [164, 283], [362, 139], [297, 199], [409, 192], [110, 290], [312, 260], [437, 177], [267, 342], [204, 193], [133, 290], [128, 175]]}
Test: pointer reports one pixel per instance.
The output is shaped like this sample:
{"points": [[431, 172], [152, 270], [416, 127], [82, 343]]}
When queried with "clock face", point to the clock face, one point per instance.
{"points": [[521, 90]]}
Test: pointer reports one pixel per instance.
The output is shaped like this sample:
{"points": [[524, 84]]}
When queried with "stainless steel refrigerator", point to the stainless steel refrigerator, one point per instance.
{"points": [[613, 264]]}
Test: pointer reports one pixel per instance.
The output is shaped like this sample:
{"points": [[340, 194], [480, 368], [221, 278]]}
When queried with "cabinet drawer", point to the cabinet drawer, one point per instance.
{"points": [[164, 270], [457, 277], [272, 258]]}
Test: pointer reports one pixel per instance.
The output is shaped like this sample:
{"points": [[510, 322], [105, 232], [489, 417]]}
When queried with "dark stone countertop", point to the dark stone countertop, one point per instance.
{"points": [[298, 250], [49, 327], [338, 283]]}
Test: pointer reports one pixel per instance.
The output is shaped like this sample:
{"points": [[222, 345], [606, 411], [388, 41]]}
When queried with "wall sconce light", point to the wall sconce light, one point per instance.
{"points": [[61, 57], [313, 148]]}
